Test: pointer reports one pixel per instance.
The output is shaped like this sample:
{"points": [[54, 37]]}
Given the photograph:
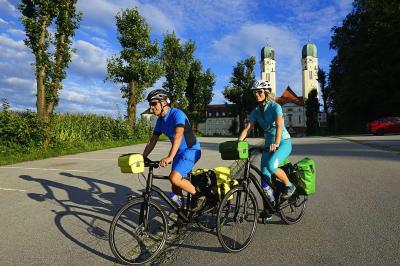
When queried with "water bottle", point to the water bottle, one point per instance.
{"points": [[176, 199], [269, 192]]}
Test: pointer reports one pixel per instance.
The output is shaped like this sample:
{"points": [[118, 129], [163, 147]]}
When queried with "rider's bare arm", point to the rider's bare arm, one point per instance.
{"points": [[245, 131], [279, 125], [150, 145]]}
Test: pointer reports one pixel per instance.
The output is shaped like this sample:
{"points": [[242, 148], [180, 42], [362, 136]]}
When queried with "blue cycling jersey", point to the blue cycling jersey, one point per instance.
{"points": [[173, 119], [266, 119]]}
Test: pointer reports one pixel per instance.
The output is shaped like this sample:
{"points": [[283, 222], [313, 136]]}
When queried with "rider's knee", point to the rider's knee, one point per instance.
{"points": [[175, 178]]}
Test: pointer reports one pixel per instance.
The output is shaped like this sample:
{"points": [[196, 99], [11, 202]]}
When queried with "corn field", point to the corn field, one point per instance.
{"points": [[23, 129]]}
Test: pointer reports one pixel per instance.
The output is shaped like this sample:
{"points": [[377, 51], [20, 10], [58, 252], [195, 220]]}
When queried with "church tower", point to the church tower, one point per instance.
{"points": [[268, 66], [309, 64]]}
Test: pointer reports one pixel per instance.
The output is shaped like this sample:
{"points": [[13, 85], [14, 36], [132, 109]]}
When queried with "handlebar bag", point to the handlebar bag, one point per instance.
{"points": [[131, 163], [234, 150]]}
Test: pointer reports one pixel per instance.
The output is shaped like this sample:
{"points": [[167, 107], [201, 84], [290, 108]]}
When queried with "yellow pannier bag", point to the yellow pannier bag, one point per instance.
{"points": [[131, 163], [224, 181]]}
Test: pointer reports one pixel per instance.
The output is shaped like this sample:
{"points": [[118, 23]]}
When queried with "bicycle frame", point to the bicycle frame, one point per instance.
{"points": [[248, 176], [147, 195]]}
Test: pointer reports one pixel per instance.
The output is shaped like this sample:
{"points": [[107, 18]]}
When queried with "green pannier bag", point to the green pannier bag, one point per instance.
{"points": [[306, 174], [234, 150]]}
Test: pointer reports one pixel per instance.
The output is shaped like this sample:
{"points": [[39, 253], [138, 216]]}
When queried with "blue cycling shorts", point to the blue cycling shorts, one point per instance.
{"points": [[184, 161], [271, 160]]}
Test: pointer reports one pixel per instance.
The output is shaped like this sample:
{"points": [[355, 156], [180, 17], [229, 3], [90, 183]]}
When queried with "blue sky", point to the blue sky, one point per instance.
{"points": [[224, 32]]}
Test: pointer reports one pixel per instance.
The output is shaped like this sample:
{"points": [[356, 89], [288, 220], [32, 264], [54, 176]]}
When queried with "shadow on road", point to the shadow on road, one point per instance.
{"points": [[86, 214]]}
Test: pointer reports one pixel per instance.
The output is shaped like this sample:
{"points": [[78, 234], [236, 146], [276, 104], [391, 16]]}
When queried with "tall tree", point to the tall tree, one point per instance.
{"points": [[364, 73], [177, 59], [312, 109], [324, 88], [137, 66], [198, 93], [52, 51], [238, 90]]}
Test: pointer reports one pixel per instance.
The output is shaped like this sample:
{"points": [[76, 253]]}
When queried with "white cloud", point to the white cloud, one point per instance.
{"points": [[8, 7], [89, 98], [89, 61], [249, 40], [3, 22], [158, 21], [312, 19], [99, 16], [17, 33]]}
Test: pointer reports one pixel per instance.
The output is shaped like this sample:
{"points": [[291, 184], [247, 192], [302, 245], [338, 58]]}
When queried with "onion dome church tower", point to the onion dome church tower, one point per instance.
{"points": [[309, 64], [268, 66]]}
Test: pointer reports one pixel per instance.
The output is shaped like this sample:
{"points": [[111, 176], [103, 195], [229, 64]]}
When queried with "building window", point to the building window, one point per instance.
{"points": [[310, 74], [290, 109], [267, 77], [290, 117], [209, 114], [223, 113], [216, 114], [299, 118]]}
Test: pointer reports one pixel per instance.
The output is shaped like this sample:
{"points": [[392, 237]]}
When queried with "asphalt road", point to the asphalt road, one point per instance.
{"points": [[57, 211], [353, 219]]}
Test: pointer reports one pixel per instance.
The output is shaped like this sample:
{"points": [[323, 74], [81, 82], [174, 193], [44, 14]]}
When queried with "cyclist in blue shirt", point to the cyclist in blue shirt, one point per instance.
{"points": [[185, 150], [268, 114]]}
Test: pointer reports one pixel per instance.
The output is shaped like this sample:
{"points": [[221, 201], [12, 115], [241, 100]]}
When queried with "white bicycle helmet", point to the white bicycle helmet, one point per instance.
{"points": [[261, 85]]}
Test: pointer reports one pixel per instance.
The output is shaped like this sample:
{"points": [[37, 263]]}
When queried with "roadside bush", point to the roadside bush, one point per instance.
{"points": [[23, 129], [19, 128]]}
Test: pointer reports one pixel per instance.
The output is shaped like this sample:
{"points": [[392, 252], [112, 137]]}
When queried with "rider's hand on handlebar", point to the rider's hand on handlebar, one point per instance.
{"points": [[273, 147], [165, 161]]}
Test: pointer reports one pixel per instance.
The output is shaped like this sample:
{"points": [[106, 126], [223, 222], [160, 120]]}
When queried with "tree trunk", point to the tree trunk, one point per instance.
{"points": [[40, 97], [41, 104], [132, 104]]}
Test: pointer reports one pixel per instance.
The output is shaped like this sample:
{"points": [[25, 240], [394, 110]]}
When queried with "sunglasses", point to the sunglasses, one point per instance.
{"points": [[259, 92], [153, 103]]}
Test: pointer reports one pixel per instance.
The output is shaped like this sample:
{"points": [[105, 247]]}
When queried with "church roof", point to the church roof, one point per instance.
{"points": [[289, 96], [309, 50], [267, 52]]}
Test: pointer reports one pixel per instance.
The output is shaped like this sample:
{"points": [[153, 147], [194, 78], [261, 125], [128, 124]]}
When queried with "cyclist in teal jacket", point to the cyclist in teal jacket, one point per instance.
{"points": [[268, 114]]}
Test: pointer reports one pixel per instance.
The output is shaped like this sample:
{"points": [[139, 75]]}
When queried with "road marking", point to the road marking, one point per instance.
{"points": [[125, 152], [86, 159], [12, 189], [46, 169]]}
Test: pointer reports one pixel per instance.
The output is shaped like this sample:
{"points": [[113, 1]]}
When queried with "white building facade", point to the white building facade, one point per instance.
{"points": [[219, 121]]}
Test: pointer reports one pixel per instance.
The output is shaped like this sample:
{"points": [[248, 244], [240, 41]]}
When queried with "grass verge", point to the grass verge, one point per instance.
{"points": [[16, 154]]}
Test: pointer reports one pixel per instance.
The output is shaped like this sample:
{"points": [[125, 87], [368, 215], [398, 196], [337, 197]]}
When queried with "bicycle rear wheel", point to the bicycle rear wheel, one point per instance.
{"points": [[292, 210], [207, 218], [237, 219], [135, 239]]}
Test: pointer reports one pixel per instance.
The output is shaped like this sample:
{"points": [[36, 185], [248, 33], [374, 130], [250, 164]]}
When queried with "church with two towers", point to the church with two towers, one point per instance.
{"points": [[219, 120]]}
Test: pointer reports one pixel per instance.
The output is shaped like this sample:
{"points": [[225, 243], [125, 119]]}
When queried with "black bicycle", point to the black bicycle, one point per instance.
{"points": [[238, 211], [139, 229]]}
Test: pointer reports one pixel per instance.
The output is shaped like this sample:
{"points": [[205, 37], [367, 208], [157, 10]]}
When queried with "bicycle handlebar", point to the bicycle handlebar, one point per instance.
{"points": [[150, 163]]}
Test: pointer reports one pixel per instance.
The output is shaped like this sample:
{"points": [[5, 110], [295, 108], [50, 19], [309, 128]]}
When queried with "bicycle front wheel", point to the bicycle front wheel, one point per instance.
{"points": [[237, 219], [138, 232]]}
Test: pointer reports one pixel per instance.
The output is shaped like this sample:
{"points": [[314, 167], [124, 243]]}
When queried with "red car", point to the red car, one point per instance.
{"points": [[384, 125]]}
